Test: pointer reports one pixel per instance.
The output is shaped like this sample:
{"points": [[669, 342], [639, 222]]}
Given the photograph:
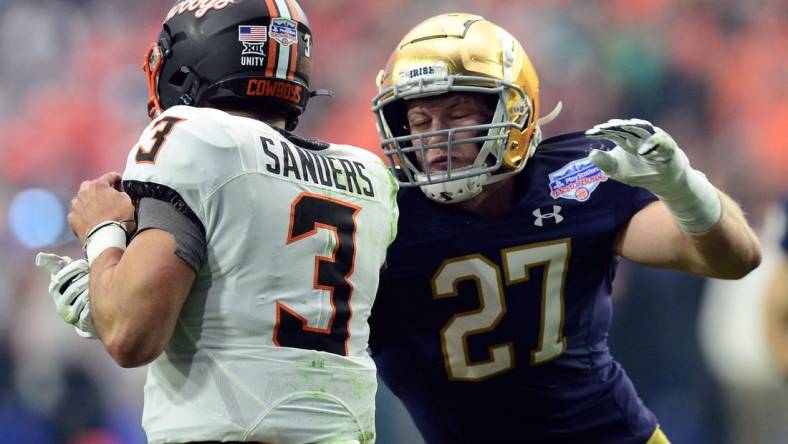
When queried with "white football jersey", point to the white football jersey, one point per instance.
{"points": [[271, 344]]}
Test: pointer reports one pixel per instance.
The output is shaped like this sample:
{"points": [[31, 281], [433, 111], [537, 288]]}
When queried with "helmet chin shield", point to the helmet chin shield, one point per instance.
{"points": [[456, 190]]}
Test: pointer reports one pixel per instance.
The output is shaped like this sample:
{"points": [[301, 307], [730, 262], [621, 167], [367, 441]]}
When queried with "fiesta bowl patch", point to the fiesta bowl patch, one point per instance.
{"points": [[284, 31], [576, 180]]}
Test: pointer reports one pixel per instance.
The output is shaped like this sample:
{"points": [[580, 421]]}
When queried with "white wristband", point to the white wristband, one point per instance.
{"points": [[109, 234], [694, 203]]}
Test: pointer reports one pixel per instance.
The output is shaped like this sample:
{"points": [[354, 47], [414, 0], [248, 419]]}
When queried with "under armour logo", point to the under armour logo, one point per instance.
{"points": [[540, 217]]}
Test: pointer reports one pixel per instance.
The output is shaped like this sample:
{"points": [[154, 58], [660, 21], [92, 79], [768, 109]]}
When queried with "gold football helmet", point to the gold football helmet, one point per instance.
{"points": [[459, 53]]}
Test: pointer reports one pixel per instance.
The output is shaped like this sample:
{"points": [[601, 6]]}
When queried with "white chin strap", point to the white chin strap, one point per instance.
{"points": [[455, 191]]}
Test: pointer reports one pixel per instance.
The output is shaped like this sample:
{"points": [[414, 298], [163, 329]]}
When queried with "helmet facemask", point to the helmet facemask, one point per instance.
{"points": [[152, 67]]}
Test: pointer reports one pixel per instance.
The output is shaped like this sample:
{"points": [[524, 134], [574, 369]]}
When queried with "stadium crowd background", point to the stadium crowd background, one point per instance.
{"points": [[72, 104]]}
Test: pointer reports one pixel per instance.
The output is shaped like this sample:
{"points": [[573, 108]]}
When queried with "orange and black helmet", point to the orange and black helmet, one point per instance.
{"points": [[243, 54]]}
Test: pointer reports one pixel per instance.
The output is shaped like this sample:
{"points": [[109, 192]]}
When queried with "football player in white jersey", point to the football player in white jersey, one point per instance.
{"points": [[248, 281]]}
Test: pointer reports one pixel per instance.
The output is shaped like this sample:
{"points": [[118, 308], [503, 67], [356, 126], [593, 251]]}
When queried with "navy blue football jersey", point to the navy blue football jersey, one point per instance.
{"points": [[495, 330]]}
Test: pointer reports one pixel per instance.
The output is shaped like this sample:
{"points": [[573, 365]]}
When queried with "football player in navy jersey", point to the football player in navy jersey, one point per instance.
{"points": [[493, 311]]}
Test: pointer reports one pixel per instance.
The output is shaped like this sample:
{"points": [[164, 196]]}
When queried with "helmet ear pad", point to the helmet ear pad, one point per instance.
{"points": [[396, 115], [181, 82], [186, 82]]}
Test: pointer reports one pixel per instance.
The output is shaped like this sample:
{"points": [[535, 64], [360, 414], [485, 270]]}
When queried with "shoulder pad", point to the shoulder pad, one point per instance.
{"points": [[188, 150]]}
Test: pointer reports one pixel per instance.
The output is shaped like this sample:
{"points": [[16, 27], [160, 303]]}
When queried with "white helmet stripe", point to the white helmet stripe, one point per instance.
{"points": [[300, 12], [284, 51], [284, 11]]}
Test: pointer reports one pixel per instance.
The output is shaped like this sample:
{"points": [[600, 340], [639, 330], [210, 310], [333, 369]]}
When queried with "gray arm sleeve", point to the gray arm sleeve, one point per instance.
{"points": [[190, 242]]}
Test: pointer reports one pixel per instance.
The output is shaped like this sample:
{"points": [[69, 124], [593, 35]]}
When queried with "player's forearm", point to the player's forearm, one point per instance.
{"points": [[730, 249], [126, 325]]}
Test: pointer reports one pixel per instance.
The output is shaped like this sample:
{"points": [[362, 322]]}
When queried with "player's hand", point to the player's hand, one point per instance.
{"points": [[99, 201], [69, 288], [644, 156]]}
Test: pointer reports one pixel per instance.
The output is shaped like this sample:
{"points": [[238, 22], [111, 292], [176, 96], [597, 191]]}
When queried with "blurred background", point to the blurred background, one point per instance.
{"points": [[712, 73]]}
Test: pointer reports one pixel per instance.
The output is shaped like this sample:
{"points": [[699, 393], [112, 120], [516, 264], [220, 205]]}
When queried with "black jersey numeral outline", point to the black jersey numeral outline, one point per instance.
{"points": [[309, 213], [163, 129]]}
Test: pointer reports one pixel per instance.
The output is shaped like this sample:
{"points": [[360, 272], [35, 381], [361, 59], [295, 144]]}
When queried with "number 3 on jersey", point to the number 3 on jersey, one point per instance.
{"points": [[554, 256], [163, 129], [308, 213]]}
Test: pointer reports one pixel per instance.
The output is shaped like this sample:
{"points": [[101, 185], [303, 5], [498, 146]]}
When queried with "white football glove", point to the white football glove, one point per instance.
{"points": [[646, 156], [69, 288]]}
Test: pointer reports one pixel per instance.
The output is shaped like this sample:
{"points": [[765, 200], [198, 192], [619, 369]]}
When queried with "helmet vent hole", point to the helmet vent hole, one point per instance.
{"points": [[179, 78]]}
